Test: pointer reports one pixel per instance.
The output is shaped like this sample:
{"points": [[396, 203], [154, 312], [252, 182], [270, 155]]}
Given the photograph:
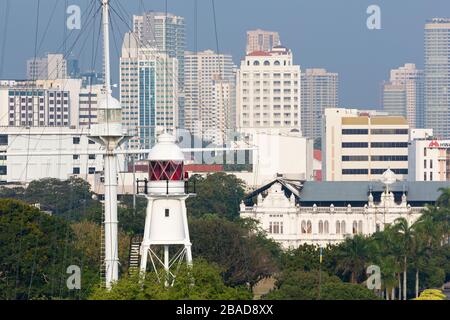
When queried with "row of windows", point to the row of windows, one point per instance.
{"points": [[323, 227], [372, 171], [375, 158], [375, 145], [374, 131], [76, 170]]}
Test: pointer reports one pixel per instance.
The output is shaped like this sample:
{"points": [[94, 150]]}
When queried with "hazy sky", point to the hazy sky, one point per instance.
{"points": [[331, 34]]}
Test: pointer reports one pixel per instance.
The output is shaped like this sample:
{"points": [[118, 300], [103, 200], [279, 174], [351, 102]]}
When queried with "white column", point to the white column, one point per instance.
{"points": [[111, 250]]}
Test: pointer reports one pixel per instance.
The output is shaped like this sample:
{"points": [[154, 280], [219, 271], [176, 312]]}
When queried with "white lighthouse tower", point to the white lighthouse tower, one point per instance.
{"points": [[166, 227]]}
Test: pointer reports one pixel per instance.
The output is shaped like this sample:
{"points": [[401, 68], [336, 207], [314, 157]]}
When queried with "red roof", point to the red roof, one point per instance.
{"points": [[259, 53], [318, 155]]}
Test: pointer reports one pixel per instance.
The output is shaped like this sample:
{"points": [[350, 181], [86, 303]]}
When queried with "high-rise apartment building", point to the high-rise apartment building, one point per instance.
{"points": [[361, 146], [437, 77], [52, 67], [167, 34], [268, 94], [209, 93], [48, 103], [260, 40], [403, 94], [319, 91], [148, 92]]}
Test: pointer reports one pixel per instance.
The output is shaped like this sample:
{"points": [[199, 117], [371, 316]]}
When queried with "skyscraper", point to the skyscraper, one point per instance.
{"points": [[51, 67], [166, 33], [268, 94], [260, 40], [148, 92], [209, 92], [437, 77], [403, 94], [319, 91]]}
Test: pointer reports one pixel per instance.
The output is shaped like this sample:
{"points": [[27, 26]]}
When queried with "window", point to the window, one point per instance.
{"points": [[389, 158], [338, 227], [309, 227], [424, 163], [92, 157], [91, 142], [360, 227], [76, 170], [303, 227], [166, 213], [355, 227], [431, 164], [91, 170], [355, 131], [76, 157], [389, 131], [396, 171], [256, 63], [425, 152], [3, 170], [389, 144], [3, 139], [266, 63], [355, 158], [276, 227], [343, 231], [326, 227], [355, 145], [76, 140], [320, 227], [355, 171], [431, 176]]}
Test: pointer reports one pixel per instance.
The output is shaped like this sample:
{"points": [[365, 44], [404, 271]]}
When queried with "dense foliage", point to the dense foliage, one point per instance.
{"points": [[201, 282]]}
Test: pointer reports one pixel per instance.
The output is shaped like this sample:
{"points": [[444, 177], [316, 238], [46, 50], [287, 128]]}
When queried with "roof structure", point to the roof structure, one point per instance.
{"points": [[355, 192]]}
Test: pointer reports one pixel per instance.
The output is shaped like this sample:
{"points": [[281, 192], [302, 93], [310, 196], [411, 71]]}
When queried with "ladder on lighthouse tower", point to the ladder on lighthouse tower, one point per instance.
{"points": [[102, 271], [135, 254]]}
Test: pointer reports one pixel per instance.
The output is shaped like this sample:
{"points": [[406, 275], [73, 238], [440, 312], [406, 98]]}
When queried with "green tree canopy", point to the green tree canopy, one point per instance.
{"points": [[201, 282], [218, 193]]}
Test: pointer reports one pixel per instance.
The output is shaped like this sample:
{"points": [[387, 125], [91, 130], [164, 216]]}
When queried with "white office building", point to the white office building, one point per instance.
{"points": [[268, 94], [209, 94], [429, 158], [36, 153], [360, 145]]}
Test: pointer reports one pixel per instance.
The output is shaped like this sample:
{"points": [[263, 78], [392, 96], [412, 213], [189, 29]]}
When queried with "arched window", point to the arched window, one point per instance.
{"points": [[276, 63], [303, 227], [320, 227], [378, 228], [355, 227], [338, 227], [266, 63], [256, 63], [343, 231], [360, 227], [309, 227], [326, 228]]}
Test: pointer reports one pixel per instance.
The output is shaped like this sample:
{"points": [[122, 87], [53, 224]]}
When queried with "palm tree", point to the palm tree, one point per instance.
{"points": [[405, 233], [352, 257], [444, 198], [385, 252]]}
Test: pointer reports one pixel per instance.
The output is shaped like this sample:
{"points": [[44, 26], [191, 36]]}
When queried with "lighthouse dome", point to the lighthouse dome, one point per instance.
{"points": [[166, 149]]}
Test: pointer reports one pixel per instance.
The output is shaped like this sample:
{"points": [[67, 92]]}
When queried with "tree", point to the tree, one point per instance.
{"points": [[352, 257], [301, 285], [405, 233], [218, 193], [35, 251], [240, 252], [201, 282]]}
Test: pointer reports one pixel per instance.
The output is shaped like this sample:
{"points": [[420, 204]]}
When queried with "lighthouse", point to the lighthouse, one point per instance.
{"points": [[166, 243]]}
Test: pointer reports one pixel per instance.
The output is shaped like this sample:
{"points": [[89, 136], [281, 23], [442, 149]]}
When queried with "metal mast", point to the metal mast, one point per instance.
{"points": [[108, 132]]}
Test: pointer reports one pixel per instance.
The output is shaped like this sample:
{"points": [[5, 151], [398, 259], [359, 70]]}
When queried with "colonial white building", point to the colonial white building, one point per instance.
{"points": [[295, 213]]}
